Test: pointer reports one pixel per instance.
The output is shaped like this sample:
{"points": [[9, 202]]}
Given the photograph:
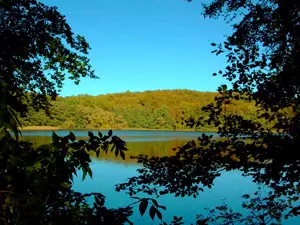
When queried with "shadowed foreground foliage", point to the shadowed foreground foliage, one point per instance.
{"points": [[36, 184], [38, 51], [263, 55]]}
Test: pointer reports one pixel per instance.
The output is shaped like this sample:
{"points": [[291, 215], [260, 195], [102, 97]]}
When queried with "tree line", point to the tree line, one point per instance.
{"points": [[161, 109]]}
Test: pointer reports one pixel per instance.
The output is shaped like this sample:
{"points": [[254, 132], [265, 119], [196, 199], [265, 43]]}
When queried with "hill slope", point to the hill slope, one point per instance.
{"points": [[162, 109]]}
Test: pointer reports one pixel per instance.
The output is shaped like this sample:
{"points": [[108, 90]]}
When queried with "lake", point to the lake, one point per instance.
{"points": [[109, 171]]}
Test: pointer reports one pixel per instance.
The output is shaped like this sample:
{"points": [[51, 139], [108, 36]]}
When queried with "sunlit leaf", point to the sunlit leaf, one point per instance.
{"points": [[65, 185]]}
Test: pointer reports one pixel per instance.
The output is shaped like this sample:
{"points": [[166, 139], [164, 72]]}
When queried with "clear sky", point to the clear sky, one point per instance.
{"points": [[142, 45]]}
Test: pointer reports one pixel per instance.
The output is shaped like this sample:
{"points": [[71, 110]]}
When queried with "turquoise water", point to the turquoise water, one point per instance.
{"points": [[230, 186], [110, 171]]}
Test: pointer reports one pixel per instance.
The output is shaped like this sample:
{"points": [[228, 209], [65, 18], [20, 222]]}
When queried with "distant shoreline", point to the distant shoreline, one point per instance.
{"points": [[47, 128], [39, 128]]}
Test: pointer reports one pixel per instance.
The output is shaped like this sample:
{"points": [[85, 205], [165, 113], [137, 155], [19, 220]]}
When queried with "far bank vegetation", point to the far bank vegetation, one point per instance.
{"points": [[162, 109]]}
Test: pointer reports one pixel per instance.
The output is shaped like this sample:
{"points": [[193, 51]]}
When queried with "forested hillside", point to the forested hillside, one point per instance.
{"points": [[162, 109]]}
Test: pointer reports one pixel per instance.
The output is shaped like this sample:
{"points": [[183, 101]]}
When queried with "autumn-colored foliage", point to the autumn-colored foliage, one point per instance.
{"points": [[161, 109]]}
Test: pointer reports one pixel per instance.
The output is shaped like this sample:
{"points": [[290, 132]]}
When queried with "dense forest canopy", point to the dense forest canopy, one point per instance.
{"points": [[162, 109]]}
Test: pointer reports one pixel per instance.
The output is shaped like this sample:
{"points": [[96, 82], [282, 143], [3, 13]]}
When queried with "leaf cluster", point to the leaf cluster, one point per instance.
{"points": [[38, 51], [262, 66], [36, 184]]}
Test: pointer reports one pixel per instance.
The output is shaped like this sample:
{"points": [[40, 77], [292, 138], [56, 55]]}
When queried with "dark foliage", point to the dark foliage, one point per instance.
{"points": [[38, 51], [261, 210], [36, 184], [263, 56]]}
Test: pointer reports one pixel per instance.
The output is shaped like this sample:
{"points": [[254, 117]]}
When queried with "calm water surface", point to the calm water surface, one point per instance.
{"points": [[128, 135], [109, 171]]}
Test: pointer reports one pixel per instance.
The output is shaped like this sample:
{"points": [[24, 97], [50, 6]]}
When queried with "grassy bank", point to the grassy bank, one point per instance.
{"points": [[40, 128]]}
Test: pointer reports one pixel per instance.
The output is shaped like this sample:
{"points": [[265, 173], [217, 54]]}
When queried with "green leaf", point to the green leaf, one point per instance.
{"points": [[37, 165], [143, 206], [67, 203], [90, 172], [65, 185], [84, 173]]}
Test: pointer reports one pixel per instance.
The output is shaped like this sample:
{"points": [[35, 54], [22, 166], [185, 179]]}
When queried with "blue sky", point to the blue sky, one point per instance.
{"points": [[142, 45]]}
